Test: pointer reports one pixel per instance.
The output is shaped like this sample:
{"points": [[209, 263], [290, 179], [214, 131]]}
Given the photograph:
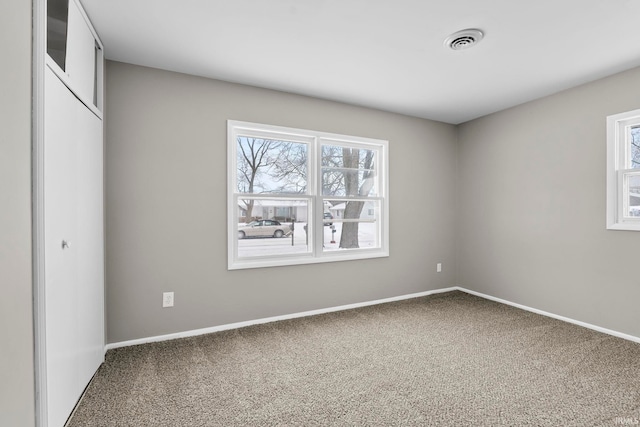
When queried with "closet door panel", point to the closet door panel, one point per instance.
{"points": [[60, 201], [72, 207], [74, 247], [90, 287]]}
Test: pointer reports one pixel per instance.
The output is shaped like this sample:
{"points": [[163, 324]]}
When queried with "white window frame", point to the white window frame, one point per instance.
{"points": [[618, 170], [315, 139]]}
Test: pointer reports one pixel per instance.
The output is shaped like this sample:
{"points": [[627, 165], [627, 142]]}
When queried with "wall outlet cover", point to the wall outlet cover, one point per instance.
{"points": [[167, 299]]}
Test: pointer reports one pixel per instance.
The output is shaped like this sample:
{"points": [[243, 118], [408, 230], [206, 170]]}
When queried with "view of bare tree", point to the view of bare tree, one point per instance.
{"points": [[353, 159], [270, 166], [290, 168], [254, 155], [273, 166], [348, 172]]}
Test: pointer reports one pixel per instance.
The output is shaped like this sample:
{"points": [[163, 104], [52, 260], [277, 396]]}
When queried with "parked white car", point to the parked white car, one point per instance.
{"points": [[263, 228]]}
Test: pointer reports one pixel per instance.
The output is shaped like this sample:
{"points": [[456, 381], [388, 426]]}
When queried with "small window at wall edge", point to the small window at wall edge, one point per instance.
{"points": [[623, 171], [281, 174]]}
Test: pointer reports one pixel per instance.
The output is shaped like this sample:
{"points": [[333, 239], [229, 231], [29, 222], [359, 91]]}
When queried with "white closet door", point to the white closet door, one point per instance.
{"points": [[90, 243], [74, 262], [60, 220]]}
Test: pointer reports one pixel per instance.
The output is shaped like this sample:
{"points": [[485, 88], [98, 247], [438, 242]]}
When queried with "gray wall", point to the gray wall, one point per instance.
{"points": [[16, 331], [531, 198], [166, 205]]}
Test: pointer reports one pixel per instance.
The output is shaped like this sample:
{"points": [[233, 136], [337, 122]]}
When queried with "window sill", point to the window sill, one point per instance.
{"points": [[624, 226], [307, 259]]}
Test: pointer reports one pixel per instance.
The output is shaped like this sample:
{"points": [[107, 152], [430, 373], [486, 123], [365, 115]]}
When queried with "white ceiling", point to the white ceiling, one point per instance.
{"points": [[384, 54]]}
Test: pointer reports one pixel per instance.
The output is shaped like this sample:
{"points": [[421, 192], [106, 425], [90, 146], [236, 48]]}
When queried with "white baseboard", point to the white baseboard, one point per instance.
{"points": [[554, 316], [237, 325]]}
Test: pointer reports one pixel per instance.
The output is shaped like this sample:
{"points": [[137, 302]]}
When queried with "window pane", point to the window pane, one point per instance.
{"points": [[357, 183], [634, 147], [57, 19], [271, 166], [633, 182], [272, 227], [353, 225], [348, 171]]}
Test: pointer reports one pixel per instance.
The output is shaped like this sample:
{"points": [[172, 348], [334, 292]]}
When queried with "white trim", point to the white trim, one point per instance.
{"points": [[554, 316], [203, 331], [616, 167], [39, 43], [307, 258], [314, 253], [237, 325]]}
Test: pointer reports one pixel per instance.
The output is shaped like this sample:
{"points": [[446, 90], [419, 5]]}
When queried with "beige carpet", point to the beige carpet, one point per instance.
{"points": [[444, 360]]}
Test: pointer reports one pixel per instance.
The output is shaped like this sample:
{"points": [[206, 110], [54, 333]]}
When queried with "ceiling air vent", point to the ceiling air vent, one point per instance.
{"points": [[464, 39]]}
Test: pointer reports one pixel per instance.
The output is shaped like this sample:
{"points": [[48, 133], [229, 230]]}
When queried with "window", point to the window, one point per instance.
{"points": [[623, 171], [298, 196], [57, 21]]}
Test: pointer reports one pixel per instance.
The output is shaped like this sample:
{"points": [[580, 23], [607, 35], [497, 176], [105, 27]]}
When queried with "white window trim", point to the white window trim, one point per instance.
{"points": [[314, 195], [617, 125]]}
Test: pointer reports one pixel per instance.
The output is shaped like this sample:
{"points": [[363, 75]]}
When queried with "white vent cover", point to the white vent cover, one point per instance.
{"points": [[464, 39]]}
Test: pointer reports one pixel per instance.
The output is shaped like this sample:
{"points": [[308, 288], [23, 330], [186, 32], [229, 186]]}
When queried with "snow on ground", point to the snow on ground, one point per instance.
{"points": [[282, 246]]}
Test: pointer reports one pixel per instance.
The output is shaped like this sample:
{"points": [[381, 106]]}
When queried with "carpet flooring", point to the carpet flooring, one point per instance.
{"points": [[449, 359]]}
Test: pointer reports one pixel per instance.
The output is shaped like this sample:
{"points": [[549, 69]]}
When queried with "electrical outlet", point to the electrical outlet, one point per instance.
{"points": [[439, 267], [167, 299]]}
